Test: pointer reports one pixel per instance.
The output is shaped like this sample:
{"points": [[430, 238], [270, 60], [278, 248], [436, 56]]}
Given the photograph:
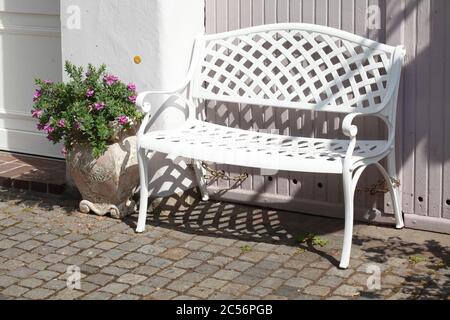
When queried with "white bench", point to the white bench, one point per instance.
{"points": [[299, 66]]}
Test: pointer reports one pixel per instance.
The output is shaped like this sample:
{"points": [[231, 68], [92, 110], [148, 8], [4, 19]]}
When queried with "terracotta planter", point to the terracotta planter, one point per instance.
{"points": [[107, 183]]}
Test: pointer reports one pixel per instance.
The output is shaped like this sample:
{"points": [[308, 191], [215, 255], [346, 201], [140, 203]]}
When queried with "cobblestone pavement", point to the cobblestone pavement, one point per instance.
{"points": [[194, 250]]}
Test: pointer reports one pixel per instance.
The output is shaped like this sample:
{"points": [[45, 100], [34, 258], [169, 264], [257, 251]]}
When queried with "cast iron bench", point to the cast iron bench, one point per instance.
{"points": [[298, 66]]}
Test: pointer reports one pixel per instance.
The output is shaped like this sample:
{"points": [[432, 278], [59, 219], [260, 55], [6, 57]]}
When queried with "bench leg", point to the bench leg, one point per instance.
{"points": [[143, 201], [200, 175], [349, 207], [392, 172]]}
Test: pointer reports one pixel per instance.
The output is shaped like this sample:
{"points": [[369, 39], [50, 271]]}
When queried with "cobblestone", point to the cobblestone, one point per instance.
{"points": [[165, 262]]}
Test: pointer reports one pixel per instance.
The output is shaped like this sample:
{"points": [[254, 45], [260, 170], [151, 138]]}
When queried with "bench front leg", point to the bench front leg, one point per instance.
{"points": [[349, 193]]}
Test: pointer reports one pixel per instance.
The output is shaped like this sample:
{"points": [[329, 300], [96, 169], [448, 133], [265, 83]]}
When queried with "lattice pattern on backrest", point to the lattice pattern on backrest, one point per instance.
{"points": [[294, 68]]}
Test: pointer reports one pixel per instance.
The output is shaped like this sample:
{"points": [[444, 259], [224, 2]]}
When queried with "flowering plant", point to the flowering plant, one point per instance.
{"points": [[92, 108]]}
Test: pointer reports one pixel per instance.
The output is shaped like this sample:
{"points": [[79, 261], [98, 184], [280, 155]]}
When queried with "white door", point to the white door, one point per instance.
{"points": [[30, 47]]}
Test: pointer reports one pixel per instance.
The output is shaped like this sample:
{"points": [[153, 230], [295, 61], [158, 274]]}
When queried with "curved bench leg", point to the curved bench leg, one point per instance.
{"points": [[391, 172], [349, 213], [143, 201], [200, 175]]}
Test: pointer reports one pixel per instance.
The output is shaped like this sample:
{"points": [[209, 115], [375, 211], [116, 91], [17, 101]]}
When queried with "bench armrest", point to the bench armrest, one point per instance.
{"points": [[348, 128]]}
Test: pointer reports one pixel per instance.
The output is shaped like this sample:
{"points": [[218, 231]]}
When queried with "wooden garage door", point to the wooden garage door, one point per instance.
{"points": [[30, 47]]}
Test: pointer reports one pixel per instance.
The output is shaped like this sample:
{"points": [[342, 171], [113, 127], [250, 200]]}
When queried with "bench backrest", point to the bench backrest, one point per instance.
{"points": [[298, 66]]}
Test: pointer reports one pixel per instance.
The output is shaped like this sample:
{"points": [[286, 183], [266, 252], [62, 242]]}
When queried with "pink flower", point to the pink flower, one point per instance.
{"points": [[62, 123], [110, 79], [48, 128], [76, 125], [40, 127], [48, 82], [132, 99], [37, 95], [37, 113], [90, 93], [64, 151], [50, 138], [123, 120], [131, 87], [99, 106]]}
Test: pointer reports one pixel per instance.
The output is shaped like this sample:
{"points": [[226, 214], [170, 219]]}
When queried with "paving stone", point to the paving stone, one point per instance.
{"points": [[53, 258], [298, 282], [146, 270], [201, 255], [340, 273], [283, 273], [311, 273], [59, 267], [55, 284], [6, 281], [75, 260], [106, 245], [212, 283], [150, 249], [316, 290], [175, 254], [213, 248], [250, 280], [46, 275], [21, 272], [187, 263], [330, 281], [347, 291], [99, 262], [167, 243], [129, 246], [207, 269], [11, 253], [234, 289], [159, 262], [253, 256], [194, 277], [162, 294], [28, 257], [59, 243], [99, 279], [226, 274], [200, 292], [31, 283], [125, 264], [138, 257], [98, 296], [39, 265], [172, 272], [140, 290], [84, 244], [238, 265], [259, 291], [288, 292], [68, 251], [115, 288], [220, 261], [180, 286], [44, 250], [91, 252], [38, 293], [14, 291], [12, 264], [131, 279], [194, 245], [115, 271], [156, 282], [113, 254], [272, 283], [6, 244]]}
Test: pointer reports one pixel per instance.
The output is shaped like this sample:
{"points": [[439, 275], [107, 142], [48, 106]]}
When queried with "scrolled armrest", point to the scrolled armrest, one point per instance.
{"points": [[348, 128], [145, 107]]}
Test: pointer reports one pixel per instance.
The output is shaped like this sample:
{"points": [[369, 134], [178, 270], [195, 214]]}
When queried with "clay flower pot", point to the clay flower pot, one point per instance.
{"points": [[107, 183]]}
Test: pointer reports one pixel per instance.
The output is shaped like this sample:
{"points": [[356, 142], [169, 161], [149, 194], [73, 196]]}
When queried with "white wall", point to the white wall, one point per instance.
{"points": [[161, 32]]}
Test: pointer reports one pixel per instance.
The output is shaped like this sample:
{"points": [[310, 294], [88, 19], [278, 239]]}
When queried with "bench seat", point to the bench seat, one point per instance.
{"points": [[215, 143]]}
